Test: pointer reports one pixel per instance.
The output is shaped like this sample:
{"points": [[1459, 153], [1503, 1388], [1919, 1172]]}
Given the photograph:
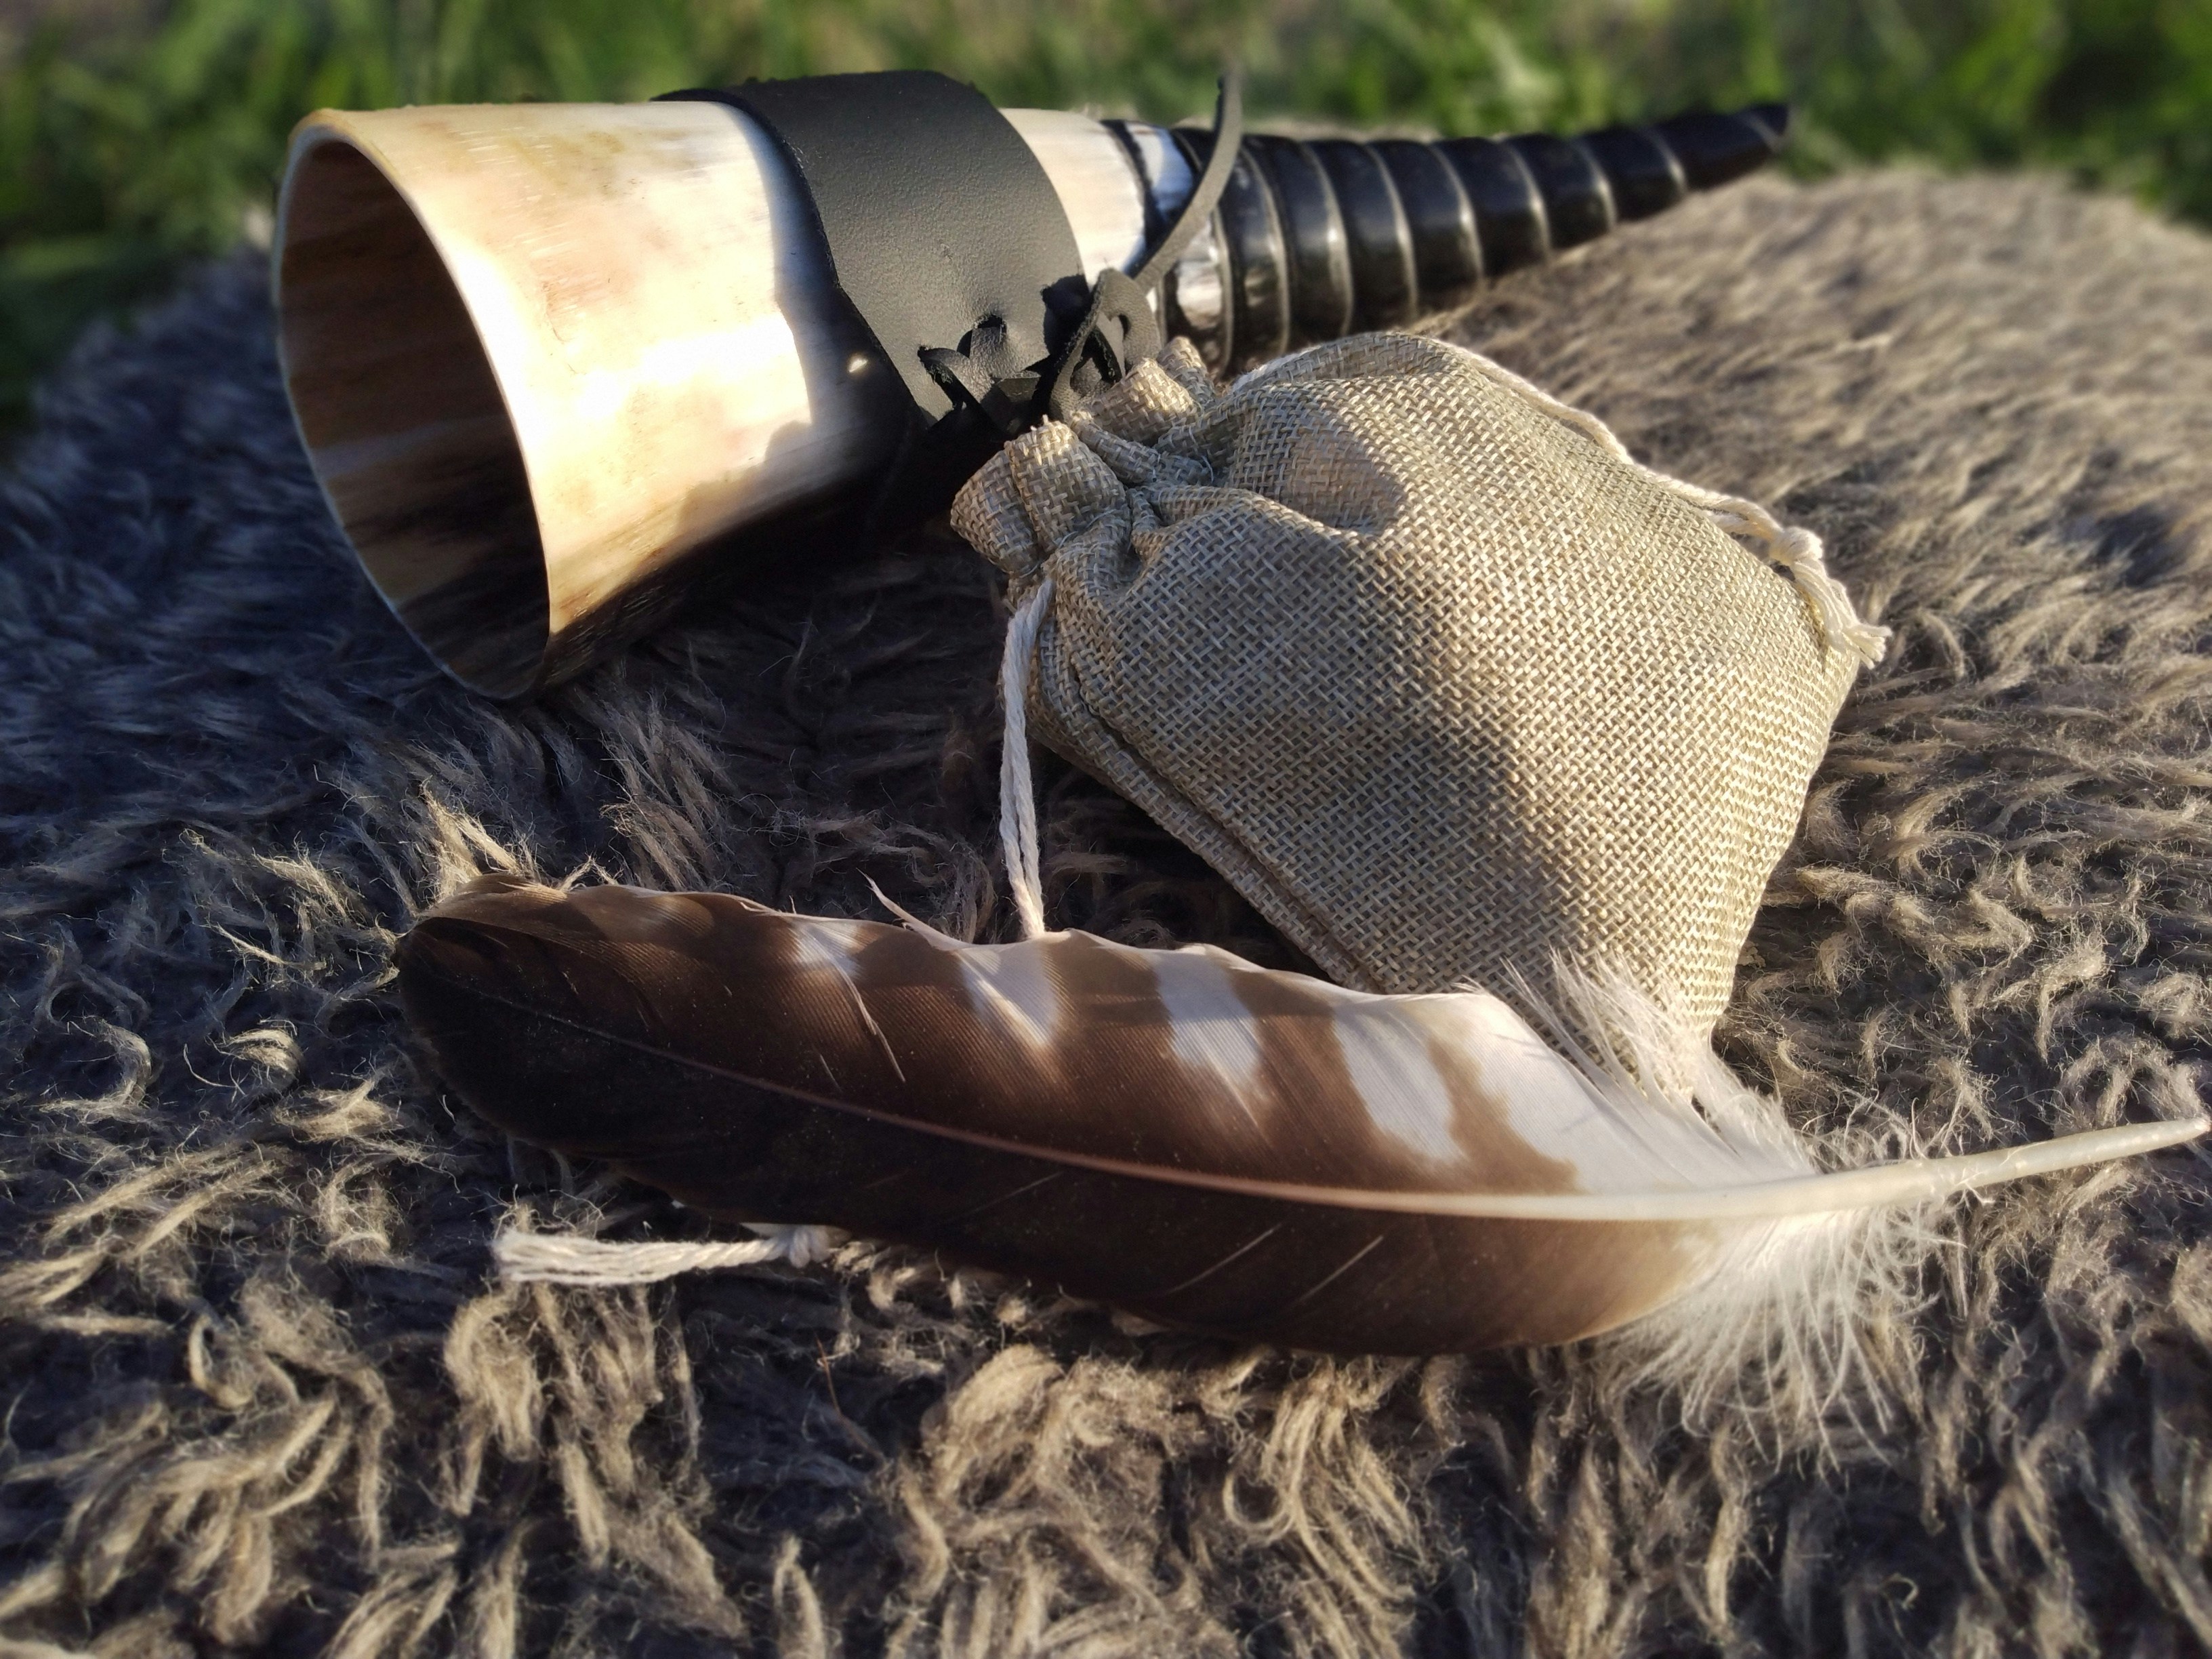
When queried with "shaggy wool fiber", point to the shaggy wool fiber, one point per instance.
{"points": [[262, 1393]]}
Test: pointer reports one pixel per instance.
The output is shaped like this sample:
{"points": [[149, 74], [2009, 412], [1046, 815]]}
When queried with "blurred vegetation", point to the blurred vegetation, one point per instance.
{"points": [[136, 136]]}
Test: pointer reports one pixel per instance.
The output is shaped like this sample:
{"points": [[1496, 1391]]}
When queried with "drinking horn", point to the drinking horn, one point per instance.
{"points": [[554, 364]]}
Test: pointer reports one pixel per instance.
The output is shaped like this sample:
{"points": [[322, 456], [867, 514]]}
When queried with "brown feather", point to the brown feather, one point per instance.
{"points": [[1254, 1153]]}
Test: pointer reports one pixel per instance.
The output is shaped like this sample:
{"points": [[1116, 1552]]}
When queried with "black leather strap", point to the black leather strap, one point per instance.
{"points": [[936, 216], [950, 243], [948, 240]]}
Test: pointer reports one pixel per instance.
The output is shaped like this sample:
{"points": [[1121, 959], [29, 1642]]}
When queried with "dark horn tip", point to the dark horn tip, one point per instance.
{"points": [[1775, 118], [1715, 150]]}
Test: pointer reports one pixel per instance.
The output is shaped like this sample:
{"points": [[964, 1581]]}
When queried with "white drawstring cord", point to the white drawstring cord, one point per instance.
{"points": [[1018, 824], [564, 1258]]}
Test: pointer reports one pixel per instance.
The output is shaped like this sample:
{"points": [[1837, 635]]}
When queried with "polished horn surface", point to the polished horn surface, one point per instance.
{"points": [[540, 352], [1318, 238], [550, 360]]}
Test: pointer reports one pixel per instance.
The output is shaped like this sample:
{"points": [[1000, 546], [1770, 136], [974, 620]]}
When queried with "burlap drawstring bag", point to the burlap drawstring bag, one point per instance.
{"points": [[1450, 688]]}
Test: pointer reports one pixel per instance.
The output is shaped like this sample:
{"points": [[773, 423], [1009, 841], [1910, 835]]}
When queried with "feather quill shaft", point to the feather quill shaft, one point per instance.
{"points": [[1209, 1142]]}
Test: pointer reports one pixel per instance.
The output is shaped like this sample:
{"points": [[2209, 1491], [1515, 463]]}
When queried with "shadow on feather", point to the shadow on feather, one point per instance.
{"points": [[1252, 1153]]}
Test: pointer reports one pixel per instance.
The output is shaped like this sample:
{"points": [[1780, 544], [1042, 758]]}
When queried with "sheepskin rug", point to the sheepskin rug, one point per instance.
{"points": [[262, 1392]]}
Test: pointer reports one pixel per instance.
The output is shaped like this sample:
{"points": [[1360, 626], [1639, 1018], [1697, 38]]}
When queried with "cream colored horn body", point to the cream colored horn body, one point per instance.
{"points": [[540, 354]]}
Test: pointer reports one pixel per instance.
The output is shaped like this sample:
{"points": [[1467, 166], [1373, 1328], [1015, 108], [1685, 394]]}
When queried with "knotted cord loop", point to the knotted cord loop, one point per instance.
{"points": [[1119, 328], [1127, 301]]}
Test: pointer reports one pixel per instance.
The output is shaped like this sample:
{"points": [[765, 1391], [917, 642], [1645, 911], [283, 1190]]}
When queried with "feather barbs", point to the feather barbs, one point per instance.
{"points": [[1205, 1142]]}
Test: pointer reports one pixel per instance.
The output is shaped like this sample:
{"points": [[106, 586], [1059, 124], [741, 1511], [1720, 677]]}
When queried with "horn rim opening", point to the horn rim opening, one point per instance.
{"points": [[399, 408]]}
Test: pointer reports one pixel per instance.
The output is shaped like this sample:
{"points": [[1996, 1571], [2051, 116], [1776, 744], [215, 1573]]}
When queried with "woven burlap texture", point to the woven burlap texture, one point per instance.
{"points": [[1450, 692]]}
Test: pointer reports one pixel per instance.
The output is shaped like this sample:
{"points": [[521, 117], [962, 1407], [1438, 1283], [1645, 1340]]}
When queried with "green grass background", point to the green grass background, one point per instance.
{"points": [[137, 135]]}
